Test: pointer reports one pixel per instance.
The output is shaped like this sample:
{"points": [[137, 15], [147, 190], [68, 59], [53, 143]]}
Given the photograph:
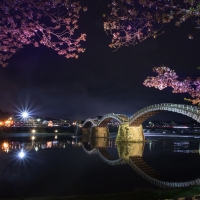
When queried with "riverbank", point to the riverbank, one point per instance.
{"points": [[145, 194]]}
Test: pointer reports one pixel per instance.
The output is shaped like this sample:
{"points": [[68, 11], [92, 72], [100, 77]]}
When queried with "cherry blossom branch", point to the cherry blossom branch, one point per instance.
{"points": [[52, 23], [168, 78], [179, 11], [129, 23]]}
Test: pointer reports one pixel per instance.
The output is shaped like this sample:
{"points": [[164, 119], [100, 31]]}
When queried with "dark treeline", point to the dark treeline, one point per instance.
{"points": [[4, 114]]}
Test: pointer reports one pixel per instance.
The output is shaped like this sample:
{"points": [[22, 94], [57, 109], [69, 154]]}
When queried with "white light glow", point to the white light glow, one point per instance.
{"points": [[25, 114], [33, 131], [21, 154]]}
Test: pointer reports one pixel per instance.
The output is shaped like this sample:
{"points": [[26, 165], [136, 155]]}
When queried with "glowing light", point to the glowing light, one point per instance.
{"points": [[36, 148], [33, 131], [25, 114], [21, 154], [56, 131], [56, 137], [49, 144], [5, 145], [33, 138], [7, 123], [50, 123]]}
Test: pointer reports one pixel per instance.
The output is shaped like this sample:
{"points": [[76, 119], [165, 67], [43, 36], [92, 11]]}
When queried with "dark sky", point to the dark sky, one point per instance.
{"points": [[100, 81]]}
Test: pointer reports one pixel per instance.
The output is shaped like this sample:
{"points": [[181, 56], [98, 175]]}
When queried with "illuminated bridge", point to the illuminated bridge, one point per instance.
{"points": [[130, 129]]}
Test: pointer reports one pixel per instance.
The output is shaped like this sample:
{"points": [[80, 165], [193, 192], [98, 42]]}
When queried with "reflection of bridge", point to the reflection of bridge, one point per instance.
{"points": [[131, 153], [130, 129]]}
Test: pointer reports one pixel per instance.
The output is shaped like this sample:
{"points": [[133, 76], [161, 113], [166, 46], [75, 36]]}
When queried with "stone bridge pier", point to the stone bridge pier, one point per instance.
{"points": [[130, 133]]}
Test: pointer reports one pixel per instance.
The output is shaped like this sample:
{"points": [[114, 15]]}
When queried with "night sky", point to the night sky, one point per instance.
{"points": [[100, 81]]}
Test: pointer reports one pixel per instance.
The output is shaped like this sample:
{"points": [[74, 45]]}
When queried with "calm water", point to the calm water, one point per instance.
{"points": [[77, 165]]}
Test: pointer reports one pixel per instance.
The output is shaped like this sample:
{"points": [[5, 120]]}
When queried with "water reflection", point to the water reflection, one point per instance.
{"points": [[131, 153], [106, 148]]}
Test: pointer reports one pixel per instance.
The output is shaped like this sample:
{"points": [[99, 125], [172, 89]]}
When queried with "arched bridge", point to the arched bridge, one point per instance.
{"points": [[130, 129], [89, 123]]}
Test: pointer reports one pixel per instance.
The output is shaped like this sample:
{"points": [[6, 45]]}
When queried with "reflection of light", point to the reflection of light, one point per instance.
{"points": [[21, 154], [150, 146], [33, 138], [56, 131], [49, 144], [33, 131], [36, 148], [56, 137]]}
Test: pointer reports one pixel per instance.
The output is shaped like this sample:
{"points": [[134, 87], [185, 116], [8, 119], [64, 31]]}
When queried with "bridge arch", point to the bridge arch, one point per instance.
{"points": [[143, 114], [108, 117], [89, 123]]}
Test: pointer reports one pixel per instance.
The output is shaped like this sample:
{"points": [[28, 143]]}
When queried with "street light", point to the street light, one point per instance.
{"points": [[25, 115]]}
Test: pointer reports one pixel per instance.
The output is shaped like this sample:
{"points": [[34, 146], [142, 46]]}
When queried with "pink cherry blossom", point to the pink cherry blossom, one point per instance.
{"points": [[168, 78], [135, 21], [52, 23]]}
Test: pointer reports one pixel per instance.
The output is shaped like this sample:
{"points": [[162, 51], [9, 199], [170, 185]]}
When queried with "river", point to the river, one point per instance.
{"points": [[60, 165]]}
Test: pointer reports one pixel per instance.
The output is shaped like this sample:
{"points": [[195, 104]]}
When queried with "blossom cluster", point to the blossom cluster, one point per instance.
{"points": [[130, 22], [168, 78], [51, 23]]}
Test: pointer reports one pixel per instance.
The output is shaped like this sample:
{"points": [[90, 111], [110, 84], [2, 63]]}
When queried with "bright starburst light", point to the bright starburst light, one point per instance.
{"points": [[25, 114], [25, 108], [21, 154]]}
